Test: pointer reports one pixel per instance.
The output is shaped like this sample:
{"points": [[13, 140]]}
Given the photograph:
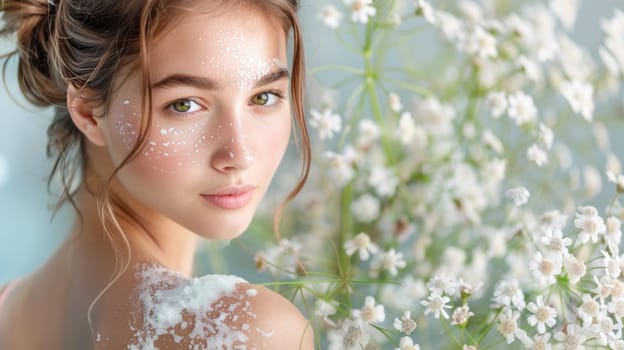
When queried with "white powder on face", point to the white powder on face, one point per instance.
{"points": [[199, 312], [249, 68]]}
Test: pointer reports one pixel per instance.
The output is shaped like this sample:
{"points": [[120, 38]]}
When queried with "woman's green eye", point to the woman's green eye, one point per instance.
{"points": [[185, 106], [261, 99]]}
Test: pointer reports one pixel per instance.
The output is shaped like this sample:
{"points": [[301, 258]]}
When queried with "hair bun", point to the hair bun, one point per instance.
{"points": [[31, 22]]}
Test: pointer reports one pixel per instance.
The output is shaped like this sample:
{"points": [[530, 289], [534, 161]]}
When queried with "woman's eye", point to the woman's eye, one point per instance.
{"points": [[185, 106], [265, 99]]}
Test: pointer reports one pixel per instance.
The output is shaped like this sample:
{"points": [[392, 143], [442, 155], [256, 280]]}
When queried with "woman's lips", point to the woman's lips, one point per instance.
{"points": [[231, 197]]}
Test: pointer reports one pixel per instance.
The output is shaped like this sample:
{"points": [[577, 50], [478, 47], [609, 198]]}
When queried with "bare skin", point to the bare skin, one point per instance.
{"points": [[167, 195]]}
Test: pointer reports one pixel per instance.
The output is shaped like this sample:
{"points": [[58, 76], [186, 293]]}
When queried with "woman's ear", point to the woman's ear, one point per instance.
{"points": [[83, 112]]}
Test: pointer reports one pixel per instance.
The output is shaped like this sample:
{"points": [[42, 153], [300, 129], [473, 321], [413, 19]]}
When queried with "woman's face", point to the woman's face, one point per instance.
{"points": [[220, 122]]}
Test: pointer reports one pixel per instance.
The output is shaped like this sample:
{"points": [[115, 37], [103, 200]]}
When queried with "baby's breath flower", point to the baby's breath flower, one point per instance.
{"points": [[589, 309], [492, 141], [369, 132], [572, 337], [407, 343], [409, 132], [390, 261], [555, 242], [405, 324], [395, 102], [497, 103], [423, 8], [482, 44], [545, 268], [365, 208], [519, 195], [327, 123], [611, 264], [383, 181], [362, 244], [461, 315], [331, 16], [545, 136], [361, 10], [539, 342], [508, 293], [574, 267], [590, 223], [566, 11], [543, 315], [616, 307], [521, 108], [370, 312], [439, 284], [617, 179], [508, 325], [537, 155], [340, 168], [580, 97], [436, 304]]}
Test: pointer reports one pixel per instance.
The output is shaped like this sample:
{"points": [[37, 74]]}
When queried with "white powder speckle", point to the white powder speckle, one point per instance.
{"points": [[126, 102], [251, 292], [163, 131]]}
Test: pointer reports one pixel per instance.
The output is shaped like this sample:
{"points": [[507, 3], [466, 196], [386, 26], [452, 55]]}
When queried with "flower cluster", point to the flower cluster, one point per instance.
{"points": [[456, 188]]}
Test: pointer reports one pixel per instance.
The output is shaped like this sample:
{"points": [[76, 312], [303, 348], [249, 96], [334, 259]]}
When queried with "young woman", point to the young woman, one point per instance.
{"points": [[171, 118]]}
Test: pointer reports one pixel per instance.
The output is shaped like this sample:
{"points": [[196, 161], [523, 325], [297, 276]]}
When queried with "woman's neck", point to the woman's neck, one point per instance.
{"points": [[149, 237]]}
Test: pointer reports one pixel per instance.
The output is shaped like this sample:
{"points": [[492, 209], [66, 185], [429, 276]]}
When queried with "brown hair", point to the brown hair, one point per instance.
{"points": [[87, 44]]}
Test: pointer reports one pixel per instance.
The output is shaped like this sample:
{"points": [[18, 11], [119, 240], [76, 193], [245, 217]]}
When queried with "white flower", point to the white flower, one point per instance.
{"points": [[508, 293], [610, 62], [614, 233], [408, 132], [616, 307], [327, 123], [580, 97], [436, 304], [461, 315], [521, 108], [543, 315], [366, 208], [574, 267], [407, 343], [361, 10], [424, 9], [573, 336], [439, 284], [362, 244], [612, 265], [566, 11], [435, 117], [405, 324], [395, 102], [604, 329], [471, 11], [508, 326], [339, 168], [383, 181], [588, 310], [539, 342], [493, 142], [545, 268], [369, 132], [390, 261], [531, 69], [331, 16], [482, 44], [369, 313], [590, 223], [617, 179], [545, 136], [519, 195], [555, 242], [497, 103], [537, 155]]}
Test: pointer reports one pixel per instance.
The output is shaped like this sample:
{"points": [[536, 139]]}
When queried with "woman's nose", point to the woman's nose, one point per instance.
{"points": [[233, 152]]}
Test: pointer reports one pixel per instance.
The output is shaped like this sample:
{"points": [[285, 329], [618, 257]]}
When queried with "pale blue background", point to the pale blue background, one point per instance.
{"points": [[27, 237]]}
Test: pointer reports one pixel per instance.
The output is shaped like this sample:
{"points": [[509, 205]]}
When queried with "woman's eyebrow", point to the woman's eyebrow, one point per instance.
{"points": [[205, 83]]}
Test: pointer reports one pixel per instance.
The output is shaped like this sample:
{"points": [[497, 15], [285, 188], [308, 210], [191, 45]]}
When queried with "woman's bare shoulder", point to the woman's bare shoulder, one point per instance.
{"points": [[159, 308]]}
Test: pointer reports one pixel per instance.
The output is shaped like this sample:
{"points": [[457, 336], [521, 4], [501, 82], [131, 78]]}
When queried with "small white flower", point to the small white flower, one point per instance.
{"points": [[573, 336], [369, 132], [580, 97], [390, 261], [331, 16], [493, 142], [370, 312], [537, 155], [611, 264], [588, 310], [409, 132], [530, 68], [519, 195], [366, 208], [521, 108], [327, 123], [461, 315], [439, 284], [546, 268], [436, 304], [574, 267], [508, 293], [362, 244], [482, 44], [539, 342], [566, 11], [555, 242], [617, 179], [405, 324], [383, 181], [451, 27], [361, 10], [497, 103], [590, 223], [614, 233], [545, 136], [407, 343], [508, 325], [424, 9], [543, 315], [339, 168], [395, 102]]}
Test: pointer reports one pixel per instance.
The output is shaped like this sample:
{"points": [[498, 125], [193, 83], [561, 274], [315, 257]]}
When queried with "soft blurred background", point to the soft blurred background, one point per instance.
{"points": [[28, 233]]}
